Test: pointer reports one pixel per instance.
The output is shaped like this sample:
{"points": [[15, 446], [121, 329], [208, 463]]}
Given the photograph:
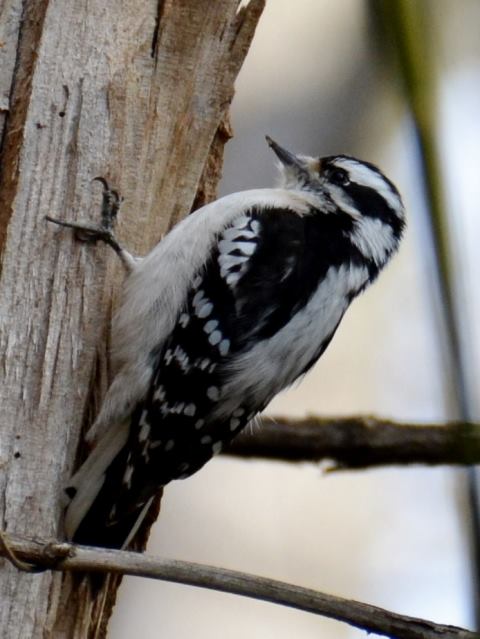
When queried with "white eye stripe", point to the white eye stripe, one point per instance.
{"points": [[342, 201], [364, 176]]}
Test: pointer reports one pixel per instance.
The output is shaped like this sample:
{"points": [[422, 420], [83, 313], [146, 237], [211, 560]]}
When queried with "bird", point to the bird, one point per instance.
{"points": [[238, 301]]}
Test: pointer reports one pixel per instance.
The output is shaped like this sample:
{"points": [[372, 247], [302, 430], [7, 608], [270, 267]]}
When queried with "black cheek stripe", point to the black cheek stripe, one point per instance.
{"points": [[371, 204]]}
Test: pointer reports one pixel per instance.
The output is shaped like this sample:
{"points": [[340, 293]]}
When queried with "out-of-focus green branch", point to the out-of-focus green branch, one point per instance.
{"points": [[406, 24], [359, 442], [407, 27]]}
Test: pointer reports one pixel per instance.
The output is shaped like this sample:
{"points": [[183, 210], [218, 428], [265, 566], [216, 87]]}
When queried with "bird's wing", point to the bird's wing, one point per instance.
{"points": [[263, 269]]}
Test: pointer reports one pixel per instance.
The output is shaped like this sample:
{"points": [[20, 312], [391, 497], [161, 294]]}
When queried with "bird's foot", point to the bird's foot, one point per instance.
{"points": [[86, 232]]}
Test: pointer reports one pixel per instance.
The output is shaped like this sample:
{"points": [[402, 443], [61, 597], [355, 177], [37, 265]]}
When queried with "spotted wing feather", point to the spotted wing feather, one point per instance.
{"points": [[263, 270]]}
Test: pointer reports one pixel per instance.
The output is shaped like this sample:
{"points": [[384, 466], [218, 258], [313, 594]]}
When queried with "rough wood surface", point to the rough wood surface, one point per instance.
{"points": [[134, 92], [10, 18]]}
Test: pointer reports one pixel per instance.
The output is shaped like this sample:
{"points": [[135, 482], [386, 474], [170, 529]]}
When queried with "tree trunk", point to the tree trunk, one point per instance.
{"points": [[136, 92]]}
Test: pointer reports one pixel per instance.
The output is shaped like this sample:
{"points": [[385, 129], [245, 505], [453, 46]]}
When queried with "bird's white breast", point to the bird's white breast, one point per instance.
{"points": [[274, 363]]}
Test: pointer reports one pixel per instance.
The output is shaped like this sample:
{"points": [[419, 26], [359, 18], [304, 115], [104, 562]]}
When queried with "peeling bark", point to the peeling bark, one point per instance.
{"points": [[136, 92]]}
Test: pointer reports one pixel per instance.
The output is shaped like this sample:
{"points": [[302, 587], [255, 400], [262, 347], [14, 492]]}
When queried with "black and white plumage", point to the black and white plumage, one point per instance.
{"points": [[232, 306]]}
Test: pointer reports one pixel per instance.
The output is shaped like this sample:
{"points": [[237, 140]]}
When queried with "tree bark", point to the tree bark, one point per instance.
{"points": [[136, 92]]}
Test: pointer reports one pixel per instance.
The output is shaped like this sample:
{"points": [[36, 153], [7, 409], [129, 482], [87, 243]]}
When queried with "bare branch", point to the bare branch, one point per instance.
{"points": [[66, 557], [360, 442]]}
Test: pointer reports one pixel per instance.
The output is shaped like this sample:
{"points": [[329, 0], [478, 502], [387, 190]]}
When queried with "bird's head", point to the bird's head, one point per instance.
{"points": [[345, 185]]}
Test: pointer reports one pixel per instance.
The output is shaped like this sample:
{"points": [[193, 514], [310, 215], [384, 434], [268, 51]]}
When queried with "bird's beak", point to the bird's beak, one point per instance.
{"points": [[285, 157]]}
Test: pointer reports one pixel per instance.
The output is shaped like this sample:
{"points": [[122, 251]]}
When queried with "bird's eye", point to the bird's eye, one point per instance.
{"points": [[338, 177]]}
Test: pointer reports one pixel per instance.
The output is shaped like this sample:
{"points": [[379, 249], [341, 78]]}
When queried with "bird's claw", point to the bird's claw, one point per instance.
{"points": [[103, 232], [86, 232], [110, 203]]}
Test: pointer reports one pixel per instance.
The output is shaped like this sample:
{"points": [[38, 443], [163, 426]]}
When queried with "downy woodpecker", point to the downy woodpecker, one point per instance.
{"points": [[240, 299]]}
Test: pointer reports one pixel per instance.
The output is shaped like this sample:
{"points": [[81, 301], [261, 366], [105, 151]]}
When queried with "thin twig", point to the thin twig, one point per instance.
{"points": [[370, 618], [7, 551], [360, 442]]}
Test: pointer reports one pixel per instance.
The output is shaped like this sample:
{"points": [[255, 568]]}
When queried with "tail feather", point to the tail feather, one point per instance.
{"points": [[113, 518], [102, 511], [86, 484]]}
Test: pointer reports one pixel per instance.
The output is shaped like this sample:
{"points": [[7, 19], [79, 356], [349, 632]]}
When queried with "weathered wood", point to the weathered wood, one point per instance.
{"points": [[134, 92], [10, 18]]}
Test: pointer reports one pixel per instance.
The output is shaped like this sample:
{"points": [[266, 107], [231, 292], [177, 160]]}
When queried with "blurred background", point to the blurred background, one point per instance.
{"points": [[320, 81]]}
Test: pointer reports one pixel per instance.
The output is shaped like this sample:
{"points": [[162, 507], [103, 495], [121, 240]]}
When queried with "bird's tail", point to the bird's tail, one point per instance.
{"points": [[96, 515]]}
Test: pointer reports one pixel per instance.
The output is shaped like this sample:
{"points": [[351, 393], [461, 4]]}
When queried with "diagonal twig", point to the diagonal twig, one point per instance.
{"points": [[66, 557]]}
